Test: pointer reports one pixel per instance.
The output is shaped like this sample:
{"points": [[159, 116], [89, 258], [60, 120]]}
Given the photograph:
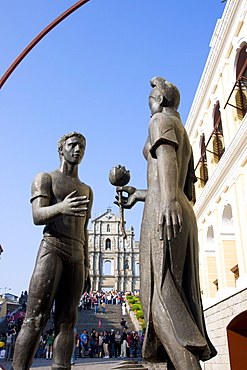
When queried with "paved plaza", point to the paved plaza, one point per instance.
{"points": [[80, 364]]}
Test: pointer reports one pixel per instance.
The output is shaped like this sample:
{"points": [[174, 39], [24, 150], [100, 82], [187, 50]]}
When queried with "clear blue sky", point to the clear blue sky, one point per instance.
{"points": [[90, 74]]}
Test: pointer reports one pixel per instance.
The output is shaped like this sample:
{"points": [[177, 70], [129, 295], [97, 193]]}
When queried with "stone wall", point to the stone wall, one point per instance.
{"points": [[217, 319]]}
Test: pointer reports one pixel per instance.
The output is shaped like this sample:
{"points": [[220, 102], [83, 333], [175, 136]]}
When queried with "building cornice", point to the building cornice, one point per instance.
{"points": [[217, 42]]}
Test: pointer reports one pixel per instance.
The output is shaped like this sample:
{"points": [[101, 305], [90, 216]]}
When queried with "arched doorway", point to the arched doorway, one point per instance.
{"points": [[237, 341]]}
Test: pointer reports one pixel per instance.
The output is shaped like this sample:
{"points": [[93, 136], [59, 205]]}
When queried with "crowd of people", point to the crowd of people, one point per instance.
{"points": [[7, 339], [98, 300], [108, 344], [105, 344]]}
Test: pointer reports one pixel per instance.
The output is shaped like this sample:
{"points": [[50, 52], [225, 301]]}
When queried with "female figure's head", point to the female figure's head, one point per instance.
{"points": [[163, 95]]}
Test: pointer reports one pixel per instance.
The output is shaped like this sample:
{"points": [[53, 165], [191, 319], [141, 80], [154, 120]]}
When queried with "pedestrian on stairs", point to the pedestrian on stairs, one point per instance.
{"points": [[123, 343], [117, 343], [49, 344], [103, 308], [92, 343], [106, 341], [123, 323], [100, 348], [96, 305], [112, 343], [83, 342], [124, 309], [76, 344], [9, 344]]}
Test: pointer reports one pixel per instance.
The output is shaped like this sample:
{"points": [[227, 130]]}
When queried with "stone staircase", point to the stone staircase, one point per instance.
{"points": [[3, 326], [130, 365], [89, 320], [140, 364]]}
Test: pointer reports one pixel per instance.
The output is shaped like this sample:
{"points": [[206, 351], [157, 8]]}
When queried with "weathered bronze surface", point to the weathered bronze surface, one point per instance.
{"points": [[62, 203], [169, 269]]}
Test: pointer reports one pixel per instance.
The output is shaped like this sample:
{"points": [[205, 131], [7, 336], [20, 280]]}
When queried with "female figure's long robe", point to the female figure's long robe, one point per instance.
{"points": [[170, 292]]}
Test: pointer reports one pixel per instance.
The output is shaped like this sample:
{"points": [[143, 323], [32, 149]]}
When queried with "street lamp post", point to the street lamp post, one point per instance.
{"points": [[5, 289]]}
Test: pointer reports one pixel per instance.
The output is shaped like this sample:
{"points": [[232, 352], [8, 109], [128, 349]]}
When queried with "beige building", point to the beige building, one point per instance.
{"points": [[217, 127], [7, 302], [114, 261]]}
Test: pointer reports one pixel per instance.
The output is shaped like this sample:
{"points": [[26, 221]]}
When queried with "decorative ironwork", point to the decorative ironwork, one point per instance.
{"points": [[240, 88], [218, 151]]}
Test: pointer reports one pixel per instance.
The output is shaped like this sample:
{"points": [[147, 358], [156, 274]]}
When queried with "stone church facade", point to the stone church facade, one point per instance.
{"points": [[114, 261]]}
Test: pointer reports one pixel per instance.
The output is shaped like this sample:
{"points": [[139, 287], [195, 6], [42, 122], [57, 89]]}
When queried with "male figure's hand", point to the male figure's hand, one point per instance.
{"points": [[74, 205]]}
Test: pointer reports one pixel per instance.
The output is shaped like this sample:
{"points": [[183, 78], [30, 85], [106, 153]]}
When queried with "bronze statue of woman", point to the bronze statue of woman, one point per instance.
{"points": [[169, 269]]}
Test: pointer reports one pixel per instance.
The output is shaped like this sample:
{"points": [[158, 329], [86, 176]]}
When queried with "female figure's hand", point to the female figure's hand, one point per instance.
{"points": [[170, 220], [134, 195]]}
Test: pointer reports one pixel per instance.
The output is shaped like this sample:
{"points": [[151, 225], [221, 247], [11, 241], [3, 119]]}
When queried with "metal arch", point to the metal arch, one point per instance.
{"points": [[38, 38]]}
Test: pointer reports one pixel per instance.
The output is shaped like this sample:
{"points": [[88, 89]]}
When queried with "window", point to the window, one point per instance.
{"points": [[241, 69], [108, 228], [210, 246], [203, 162], [137, 269], [235, 271], [227, 221], [241, 77], [218, 142], [216, 284], [108, 244], [107, 267], [238, 96]]}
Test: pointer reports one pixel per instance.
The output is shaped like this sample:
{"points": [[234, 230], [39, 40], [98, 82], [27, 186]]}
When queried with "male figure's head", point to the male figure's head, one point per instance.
{"points": [[71, 147]]}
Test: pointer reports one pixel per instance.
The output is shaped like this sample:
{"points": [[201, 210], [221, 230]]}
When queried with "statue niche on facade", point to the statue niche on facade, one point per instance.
{"points": [[169, 268], [62, 203]]}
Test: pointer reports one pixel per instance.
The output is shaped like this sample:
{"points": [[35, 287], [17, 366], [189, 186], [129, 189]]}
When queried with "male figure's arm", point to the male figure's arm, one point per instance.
{"points": [[87, 284]]}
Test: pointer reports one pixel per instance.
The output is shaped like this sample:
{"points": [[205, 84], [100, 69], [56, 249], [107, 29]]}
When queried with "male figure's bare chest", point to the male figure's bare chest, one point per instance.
{"points": [[64, 185]]}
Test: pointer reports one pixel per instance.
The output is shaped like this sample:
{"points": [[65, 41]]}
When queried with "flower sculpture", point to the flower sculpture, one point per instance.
{"points": [[119, 176]]}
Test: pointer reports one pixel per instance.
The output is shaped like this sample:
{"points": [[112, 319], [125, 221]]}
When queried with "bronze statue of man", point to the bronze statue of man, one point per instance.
{"points": [[63, 203]]}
